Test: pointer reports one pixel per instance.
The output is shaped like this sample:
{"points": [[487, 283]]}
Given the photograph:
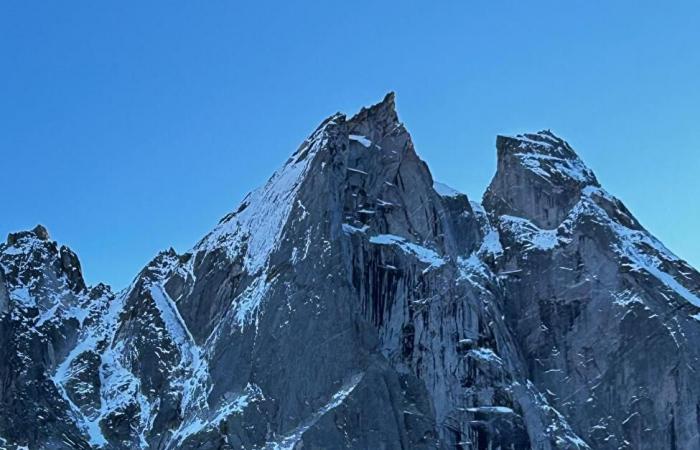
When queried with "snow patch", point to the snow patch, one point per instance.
{"points": [[289, 441], [350, 229], [491, 243], [547, 165], [196, 424], [423, 254], [626, 298], [526, 232], [352, 169], [491, 410], [473, 269], [485, 354], [361, 139], [246, 305]]}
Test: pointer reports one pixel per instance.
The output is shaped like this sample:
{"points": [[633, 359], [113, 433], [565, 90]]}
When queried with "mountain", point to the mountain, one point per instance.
{"points": [[354, 302]]}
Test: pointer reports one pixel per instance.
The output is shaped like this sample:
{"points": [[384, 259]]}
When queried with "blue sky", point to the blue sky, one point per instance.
{"points": [[129, 127]]}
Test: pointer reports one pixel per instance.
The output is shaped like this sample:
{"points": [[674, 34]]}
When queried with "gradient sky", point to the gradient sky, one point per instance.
{"points": [[129, 127]]}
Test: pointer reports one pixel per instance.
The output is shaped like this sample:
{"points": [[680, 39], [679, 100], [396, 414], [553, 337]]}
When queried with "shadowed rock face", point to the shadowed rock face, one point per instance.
{"points": [[352, 302]]}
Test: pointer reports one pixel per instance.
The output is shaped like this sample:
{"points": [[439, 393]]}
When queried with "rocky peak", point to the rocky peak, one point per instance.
{"points": [[375, 125], [360, 158], [539, 177], [33, 264], [163, 261], [41, 232], [353, 285], [382, 117], [547, 152], [378, 128], [71, 267], [388, 189], [38, 232], [30, 247], [101, 290]]}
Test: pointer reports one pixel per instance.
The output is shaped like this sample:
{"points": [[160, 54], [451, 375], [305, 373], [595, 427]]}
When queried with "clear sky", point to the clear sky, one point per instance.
{"points": [[128, 127]]}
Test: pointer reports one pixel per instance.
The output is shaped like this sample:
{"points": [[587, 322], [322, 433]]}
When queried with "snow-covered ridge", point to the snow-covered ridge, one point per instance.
{"points": [[193, 381], [642, 251], [192, 357], [258, 224]]}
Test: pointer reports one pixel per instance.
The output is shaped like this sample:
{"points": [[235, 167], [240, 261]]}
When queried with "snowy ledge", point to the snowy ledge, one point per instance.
{"points": [[444, 190], [423, 254], [361, 140]]}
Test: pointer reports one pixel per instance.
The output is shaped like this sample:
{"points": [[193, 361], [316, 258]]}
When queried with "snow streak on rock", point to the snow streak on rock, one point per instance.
{"points": [[643, 252], [118, 387], [290, 440], [256, 227]]}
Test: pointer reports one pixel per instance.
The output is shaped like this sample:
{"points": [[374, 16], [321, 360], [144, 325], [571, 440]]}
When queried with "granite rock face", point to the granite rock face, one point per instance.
{"points": [[607, 317], [353, 302]]}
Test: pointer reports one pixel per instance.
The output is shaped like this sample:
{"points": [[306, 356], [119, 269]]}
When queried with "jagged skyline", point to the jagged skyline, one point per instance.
{"points": [[129, 129], [353, 302]]}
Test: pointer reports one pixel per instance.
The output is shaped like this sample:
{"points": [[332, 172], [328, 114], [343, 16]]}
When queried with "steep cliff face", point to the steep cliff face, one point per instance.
{"points": [[416, 259], [353, 302], [607, 317]]}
